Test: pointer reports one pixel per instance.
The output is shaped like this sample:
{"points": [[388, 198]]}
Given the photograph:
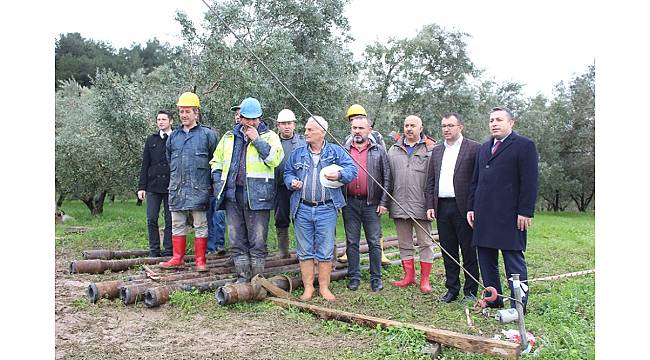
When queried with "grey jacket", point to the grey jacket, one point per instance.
{"points": [[409, 179], [379, 168], [297, 141]]}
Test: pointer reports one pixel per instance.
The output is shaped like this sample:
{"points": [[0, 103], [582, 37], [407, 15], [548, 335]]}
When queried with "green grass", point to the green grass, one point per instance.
{"points": [[561, 314]]}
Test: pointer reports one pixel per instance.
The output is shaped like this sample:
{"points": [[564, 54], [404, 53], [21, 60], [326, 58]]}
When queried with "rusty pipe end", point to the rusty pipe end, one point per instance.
{"points": [[152, 297], [126, 295], [93, 293], [222, 295]]}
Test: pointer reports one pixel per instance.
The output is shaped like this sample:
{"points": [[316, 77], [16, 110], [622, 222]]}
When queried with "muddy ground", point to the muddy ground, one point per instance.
{"points": [[110, 330]]}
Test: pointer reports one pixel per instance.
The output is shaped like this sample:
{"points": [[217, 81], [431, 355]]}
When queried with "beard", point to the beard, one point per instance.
{"points": [[359, 139]]}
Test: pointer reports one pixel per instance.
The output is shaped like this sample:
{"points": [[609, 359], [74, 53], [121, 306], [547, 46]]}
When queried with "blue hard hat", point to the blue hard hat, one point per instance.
{"points": [[250, 108]]}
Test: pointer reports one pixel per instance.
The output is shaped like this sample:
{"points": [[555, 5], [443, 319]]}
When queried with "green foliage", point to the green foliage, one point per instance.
{"points": [[78, 59]]}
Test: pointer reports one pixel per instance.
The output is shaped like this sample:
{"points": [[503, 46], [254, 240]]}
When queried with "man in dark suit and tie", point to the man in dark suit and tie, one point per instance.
{"points": [[450, 174], [502, 201]]}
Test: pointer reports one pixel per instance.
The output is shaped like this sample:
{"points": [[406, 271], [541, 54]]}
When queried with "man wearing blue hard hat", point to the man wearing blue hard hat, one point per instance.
{"points": [[243, 174]]}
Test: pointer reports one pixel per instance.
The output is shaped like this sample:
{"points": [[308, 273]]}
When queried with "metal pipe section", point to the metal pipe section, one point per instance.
{"points": [[98, 266], [113, 254], [159, 295]]}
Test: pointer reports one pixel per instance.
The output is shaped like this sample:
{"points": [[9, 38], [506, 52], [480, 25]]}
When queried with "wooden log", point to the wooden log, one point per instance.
{"points": [[561, 276], [469, 343]]}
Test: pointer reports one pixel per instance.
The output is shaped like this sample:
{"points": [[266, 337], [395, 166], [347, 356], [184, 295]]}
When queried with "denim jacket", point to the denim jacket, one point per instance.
{"points": [[299, 162], [188, 155]]}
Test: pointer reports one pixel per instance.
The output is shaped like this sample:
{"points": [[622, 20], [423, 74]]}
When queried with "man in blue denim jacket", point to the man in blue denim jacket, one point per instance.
{"points": [[189, 149], [315, 200]]}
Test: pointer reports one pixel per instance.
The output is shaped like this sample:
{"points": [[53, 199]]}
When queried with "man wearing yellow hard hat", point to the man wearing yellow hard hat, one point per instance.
{"points": [[189, 149], [356, 111]]}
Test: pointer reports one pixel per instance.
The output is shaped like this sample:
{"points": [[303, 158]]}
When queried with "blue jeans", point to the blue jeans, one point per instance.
{"points": [[247, 229], [356, 213], [315, 228], [153, 209], [216, 227]]}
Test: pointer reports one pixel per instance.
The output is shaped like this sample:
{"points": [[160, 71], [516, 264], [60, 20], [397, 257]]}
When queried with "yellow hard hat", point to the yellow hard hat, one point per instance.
{"points": [[189, 99], [356, 109]]}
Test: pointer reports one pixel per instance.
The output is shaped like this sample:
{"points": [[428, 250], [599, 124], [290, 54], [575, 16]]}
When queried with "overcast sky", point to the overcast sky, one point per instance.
{"points": [[537, 43]]}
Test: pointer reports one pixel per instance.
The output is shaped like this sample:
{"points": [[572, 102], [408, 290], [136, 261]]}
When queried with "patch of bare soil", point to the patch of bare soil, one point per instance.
{"points": [[110, 330]]}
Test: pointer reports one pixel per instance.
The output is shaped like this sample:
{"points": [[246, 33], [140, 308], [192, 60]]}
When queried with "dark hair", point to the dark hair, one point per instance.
{"points": [[503, 108], [165, 112], [456, 115]]}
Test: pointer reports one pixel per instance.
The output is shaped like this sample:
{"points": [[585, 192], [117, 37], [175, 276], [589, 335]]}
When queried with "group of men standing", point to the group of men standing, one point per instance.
{"points": [[482, 196]]}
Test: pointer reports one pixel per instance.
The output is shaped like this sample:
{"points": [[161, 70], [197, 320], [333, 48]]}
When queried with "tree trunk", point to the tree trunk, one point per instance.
{"points": [[59, 200], [582, 201], [112, 198], [99, 203], [95, 203]]}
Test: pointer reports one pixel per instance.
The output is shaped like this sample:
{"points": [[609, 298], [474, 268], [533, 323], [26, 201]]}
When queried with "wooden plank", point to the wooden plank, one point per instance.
{"points": [[469, 343]]}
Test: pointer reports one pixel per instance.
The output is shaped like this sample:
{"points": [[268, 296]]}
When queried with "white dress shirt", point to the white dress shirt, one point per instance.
{"points": [[446, 181], [164, 132]]}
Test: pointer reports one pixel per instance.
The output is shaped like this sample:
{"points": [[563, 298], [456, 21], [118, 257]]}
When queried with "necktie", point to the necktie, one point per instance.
{"points": [[496, 146], [165, 137]]}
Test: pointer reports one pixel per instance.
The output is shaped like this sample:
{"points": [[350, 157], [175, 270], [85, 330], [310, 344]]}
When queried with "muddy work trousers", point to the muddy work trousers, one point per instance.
{"points": [[247, 229]]}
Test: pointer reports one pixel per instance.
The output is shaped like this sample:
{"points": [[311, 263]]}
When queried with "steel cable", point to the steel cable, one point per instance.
{"points": [[337, 142]]}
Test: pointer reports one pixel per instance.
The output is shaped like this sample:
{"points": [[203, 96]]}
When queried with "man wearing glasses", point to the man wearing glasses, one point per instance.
{"points": [[450, 174]]}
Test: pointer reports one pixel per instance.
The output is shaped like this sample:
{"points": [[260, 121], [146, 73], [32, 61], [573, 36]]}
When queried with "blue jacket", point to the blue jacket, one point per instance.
{"points": [[262, 156], [188, 155], [298, 164]]}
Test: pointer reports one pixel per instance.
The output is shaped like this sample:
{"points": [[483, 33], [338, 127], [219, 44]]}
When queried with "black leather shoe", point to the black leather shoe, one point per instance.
{"points": [[448, 297], [353, 284], [376, 285]]}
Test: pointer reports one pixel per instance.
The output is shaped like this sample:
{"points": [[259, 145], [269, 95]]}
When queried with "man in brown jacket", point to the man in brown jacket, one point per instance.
{"points": [[409, 162]]}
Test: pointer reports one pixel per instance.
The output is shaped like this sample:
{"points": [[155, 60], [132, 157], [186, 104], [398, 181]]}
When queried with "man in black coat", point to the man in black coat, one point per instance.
{"points": [[502, 201], [154, 181], [450, 174]]}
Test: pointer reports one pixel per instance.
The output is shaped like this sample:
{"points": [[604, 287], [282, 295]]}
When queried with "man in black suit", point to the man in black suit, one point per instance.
{"points": [[502, 201], [154, 181], [450, 174]]}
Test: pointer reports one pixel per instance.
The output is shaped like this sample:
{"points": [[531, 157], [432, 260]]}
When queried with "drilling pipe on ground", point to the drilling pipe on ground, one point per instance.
{"points": [[113, 254], [97, 266], [111, 289], [156, 296]]}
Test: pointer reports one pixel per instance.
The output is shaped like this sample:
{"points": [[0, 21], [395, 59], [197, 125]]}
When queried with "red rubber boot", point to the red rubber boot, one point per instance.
{"points": [[200, 246], [425, 271], [409, 274], [178, 249]]}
